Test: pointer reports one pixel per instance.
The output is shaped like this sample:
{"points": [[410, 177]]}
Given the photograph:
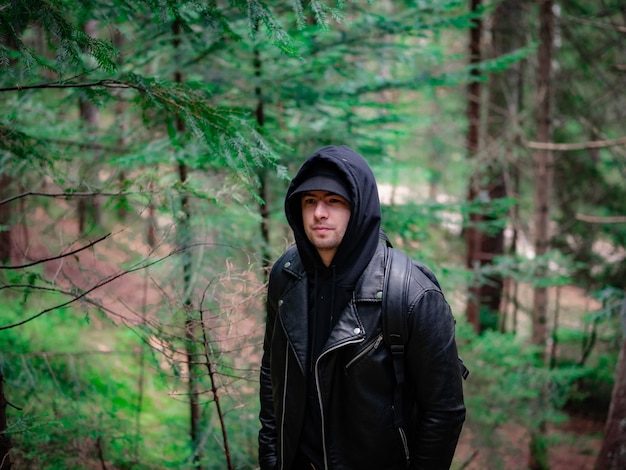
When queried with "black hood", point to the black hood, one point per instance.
{"points": [[363, 231]]}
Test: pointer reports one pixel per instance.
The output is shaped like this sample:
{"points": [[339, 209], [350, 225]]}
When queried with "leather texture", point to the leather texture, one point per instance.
{"points": [[355, 376]]}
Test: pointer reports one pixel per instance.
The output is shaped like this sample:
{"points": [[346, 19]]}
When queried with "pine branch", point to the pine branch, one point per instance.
{"points": [[70, 42], [227, 130]]}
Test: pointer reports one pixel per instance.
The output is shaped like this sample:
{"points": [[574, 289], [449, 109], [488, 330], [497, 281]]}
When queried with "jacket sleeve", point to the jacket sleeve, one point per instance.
{"points": [[435, 381], [267, 433]]}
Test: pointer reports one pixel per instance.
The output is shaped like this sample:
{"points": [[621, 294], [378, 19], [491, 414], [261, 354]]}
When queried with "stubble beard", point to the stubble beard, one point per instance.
{"points": [[329, 243]]}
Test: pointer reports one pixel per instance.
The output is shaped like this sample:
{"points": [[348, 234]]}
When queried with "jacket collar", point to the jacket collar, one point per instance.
{"points": [[349, 327], [369, 287]]}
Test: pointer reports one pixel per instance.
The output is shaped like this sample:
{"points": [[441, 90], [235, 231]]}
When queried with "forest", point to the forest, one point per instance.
{"points": [[145, 150]]}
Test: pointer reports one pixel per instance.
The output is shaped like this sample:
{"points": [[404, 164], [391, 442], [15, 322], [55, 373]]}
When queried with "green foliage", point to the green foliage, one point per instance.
{"points": [[225, 132], [493, 215], [506, 382], [67, 43], [588, 110], [551, 269], [425, 231], [88, 394]]}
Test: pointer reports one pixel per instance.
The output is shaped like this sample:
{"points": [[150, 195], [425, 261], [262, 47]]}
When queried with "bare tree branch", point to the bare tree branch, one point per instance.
{"points": [[69, 195], [597, 24], [39, 86], [594, 144], [62, 255], [601, 135], [77, 354], [83, 295], [618, 219]]}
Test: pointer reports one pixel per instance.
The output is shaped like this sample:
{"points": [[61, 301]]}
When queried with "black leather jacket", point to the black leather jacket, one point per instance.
{"points": [[355, 376]]}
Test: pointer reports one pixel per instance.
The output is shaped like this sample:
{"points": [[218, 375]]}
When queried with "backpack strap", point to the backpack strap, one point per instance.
{"points": [[395, 305]]}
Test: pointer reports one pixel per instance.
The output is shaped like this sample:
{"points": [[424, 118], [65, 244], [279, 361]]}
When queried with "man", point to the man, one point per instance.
{"points": [[327, 376]]}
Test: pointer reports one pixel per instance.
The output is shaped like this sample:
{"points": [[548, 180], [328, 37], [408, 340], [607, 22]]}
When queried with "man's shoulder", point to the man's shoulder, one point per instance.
{"points": [[288, 262], [287, 259], [287, 267], [420, 273]]}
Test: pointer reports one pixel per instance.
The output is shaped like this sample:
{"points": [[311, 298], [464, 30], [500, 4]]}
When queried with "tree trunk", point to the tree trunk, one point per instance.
{"points": [[259, 114], [122, 121], [472, 236], [612, 455], [5, 220], [543, 168], [505, 89], [88, 207], [543, 165], [5, 442], [515, 173], [6, 241], [184, 235]]}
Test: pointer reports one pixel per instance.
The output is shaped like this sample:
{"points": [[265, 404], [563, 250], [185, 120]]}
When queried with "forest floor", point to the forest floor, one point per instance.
{"points": [[573, 445]]}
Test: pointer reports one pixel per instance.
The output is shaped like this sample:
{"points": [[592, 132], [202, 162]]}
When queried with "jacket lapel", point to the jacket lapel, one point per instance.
{"points": [[349, 328], [292, 309]]}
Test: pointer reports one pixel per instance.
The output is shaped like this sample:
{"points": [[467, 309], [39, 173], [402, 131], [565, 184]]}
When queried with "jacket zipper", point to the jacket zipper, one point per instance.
{"points": [[372, 346], [405, 444], [319, 394], [282, 418]]}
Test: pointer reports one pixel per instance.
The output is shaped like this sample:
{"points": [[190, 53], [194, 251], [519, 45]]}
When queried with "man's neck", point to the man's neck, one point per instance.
{"points": [[326, 256]]}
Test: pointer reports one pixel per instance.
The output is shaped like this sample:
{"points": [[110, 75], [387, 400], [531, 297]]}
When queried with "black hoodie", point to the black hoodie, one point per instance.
{"points": [[363, 231], [330, 288]]}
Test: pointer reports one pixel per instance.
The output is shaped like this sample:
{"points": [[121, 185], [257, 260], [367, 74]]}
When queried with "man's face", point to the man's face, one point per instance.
{"points": [[325, 217]]}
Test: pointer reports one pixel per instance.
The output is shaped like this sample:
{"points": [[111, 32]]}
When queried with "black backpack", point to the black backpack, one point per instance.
{"points": [[395, 305]]}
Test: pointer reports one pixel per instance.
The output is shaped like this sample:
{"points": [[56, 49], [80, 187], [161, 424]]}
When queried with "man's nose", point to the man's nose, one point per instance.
{"points": [[321, 211]]}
